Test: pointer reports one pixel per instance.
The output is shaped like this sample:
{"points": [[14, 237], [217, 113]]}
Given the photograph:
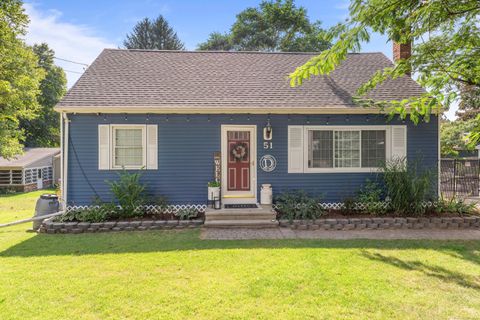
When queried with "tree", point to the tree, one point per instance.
{"points": [[446, 55], [156, 34], [273, 26], [43, 130], [217, 41], [19, 77], [469, 106], [454, 136]]}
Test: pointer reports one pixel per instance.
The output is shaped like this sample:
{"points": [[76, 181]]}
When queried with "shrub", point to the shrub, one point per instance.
{"points": [[8, 191], [129, 193], [349, 205], [95, 213], [371, 196], [187, 213], [160, 202], [295, 205], [454, 205], [406, 188]]}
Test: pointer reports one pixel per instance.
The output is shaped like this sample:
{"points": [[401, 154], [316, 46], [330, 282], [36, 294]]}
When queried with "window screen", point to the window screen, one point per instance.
{"points": [[128, 147], [347, 149], [373, 148], [320, 153]]}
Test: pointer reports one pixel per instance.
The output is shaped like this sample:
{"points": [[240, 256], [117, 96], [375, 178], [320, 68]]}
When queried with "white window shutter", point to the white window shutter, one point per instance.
{"points": [[399, 142], [152, 147], [103, 147], [295, 149]]}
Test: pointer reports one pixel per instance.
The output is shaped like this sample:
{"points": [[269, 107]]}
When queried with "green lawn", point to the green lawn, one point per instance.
{"points": [[174, 275]]}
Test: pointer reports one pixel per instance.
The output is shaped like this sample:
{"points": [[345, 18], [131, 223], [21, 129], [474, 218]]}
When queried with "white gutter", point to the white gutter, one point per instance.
{"points": [[208, 109], [65, 158], [218, 110]]}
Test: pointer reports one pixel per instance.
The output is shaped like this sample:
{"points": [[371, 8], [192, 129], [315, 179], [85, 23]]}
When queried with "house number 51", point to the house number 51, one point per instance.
{"points": [[267, 145]]}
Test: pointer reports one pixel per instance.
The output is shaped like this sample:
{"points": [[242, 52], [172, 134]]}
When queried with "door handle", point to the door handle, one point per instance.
{"points": [[253, 162]]}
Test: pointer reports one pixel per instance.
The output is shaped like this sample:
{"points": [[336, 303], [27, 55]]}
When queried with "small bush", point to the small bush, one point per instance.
{"points": [[186, 214], [406, 188], [371, 196], [95, 213], [129, 193], [8, 191], [299, 205], [454, 205], [160, 203], [349, 206]]}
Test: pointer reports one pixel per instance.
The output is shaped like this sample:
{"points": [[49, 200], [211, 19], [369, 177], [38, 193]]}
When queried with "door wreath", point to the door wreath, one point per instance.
{"points": [[239, 151]]}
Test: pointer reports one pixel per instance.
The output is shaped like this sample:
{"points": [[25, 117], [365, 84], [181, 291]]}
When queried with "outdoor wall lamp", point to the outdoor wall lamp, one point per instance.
{"points": [[267, 131]]}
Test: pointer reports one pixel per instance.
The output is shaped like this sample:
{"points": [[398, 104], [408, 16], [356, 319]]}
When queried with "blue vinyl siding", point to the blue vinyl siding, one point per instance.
{"points": [[186, 144]]}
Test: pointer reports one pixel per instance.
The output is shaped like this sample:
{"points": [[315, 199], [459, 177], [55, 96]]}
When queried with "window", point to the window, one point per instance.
{"points": [[344, 148], [347, 149], [320, 149], [128, 147], [373, 148]]}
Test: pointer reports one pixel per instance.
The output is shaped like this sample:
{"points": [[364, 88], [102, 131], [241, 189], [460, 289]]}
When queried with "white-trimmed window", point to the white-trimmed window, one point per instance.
{"points": [[128, 146], [344, 148]]}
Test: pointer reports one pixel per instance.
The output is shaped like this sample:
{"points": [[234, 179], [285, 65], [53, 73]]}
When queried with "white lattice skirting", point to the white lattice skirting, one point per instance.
{"points": [[153, 208], [354, 206], [201, 207]]}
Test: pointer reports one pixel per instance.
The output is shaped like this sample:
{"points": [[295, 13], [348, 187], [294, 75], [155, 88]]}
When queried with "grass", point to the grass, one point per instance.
{"points": [[174, 275]]}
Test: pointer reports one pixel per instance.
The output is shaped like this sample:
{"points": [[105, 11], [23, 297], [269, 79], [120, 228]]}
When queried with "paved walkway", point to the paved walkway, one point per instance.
{"points": [[287, 233]]}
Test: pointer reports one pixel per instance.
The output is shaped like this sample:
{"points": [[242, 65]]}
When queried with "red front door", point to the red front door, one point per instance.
{"points": [[238, 165]]}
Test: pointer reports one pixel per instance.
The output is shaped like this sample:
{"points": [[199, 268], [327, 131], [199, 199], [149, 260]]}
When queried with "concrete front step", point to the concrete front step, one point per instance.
{"points": [[262, 217], [241, 224], [240, 216]]}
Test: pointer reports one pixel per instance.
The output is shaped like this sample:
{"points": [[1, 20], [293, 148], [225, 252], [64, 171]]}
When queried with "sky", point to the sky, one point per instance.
{"points": [[79, 30]]}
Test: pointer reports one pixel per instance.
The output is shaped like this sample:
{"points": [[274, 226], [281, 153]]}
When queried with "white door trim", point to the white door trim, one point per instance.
{"points": [[229, 197]]}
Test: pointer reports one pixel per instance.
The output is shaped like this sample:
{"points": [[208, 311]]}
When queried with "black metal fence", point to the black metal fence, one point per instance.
{"points": [[459, 177]]}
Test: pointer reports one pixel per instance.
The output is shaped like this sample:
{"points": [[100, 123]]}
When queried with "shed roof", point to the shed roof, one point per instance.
{"points": [[135, 80], [29, 156]]}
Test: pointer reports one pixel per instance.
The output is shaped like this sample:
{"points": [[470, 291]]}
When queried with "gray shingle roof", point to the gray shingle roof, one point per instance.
{"points": [[29, 156], [202, 79]]}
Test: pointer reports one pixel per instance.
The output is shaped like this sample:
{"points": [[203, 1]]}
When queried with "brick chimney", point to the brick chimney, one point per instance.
{"points": [[402, 51]]}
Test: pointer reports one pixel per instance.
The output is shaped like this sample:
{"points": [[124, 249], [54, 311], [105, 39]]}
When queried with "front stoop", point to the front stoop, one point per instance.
{"points": [[262, 217]]}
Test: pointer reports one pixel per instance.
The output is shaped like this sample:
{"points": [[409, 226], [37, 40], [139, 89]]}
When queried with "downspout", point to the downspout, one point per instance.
{"points": [[65, 158], [61, 155], [439, 161]]}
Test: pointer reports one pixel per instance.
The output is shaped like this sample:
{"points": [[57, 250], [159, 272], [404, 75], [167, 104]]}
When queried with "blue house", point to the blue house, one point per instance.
{"points": [[185, 118]]}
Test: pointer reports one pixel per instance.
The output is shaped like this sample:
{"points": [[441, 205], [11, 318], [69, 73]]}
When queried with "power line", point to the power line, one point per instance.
{"points": [[71, 61], [72, 71]]}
